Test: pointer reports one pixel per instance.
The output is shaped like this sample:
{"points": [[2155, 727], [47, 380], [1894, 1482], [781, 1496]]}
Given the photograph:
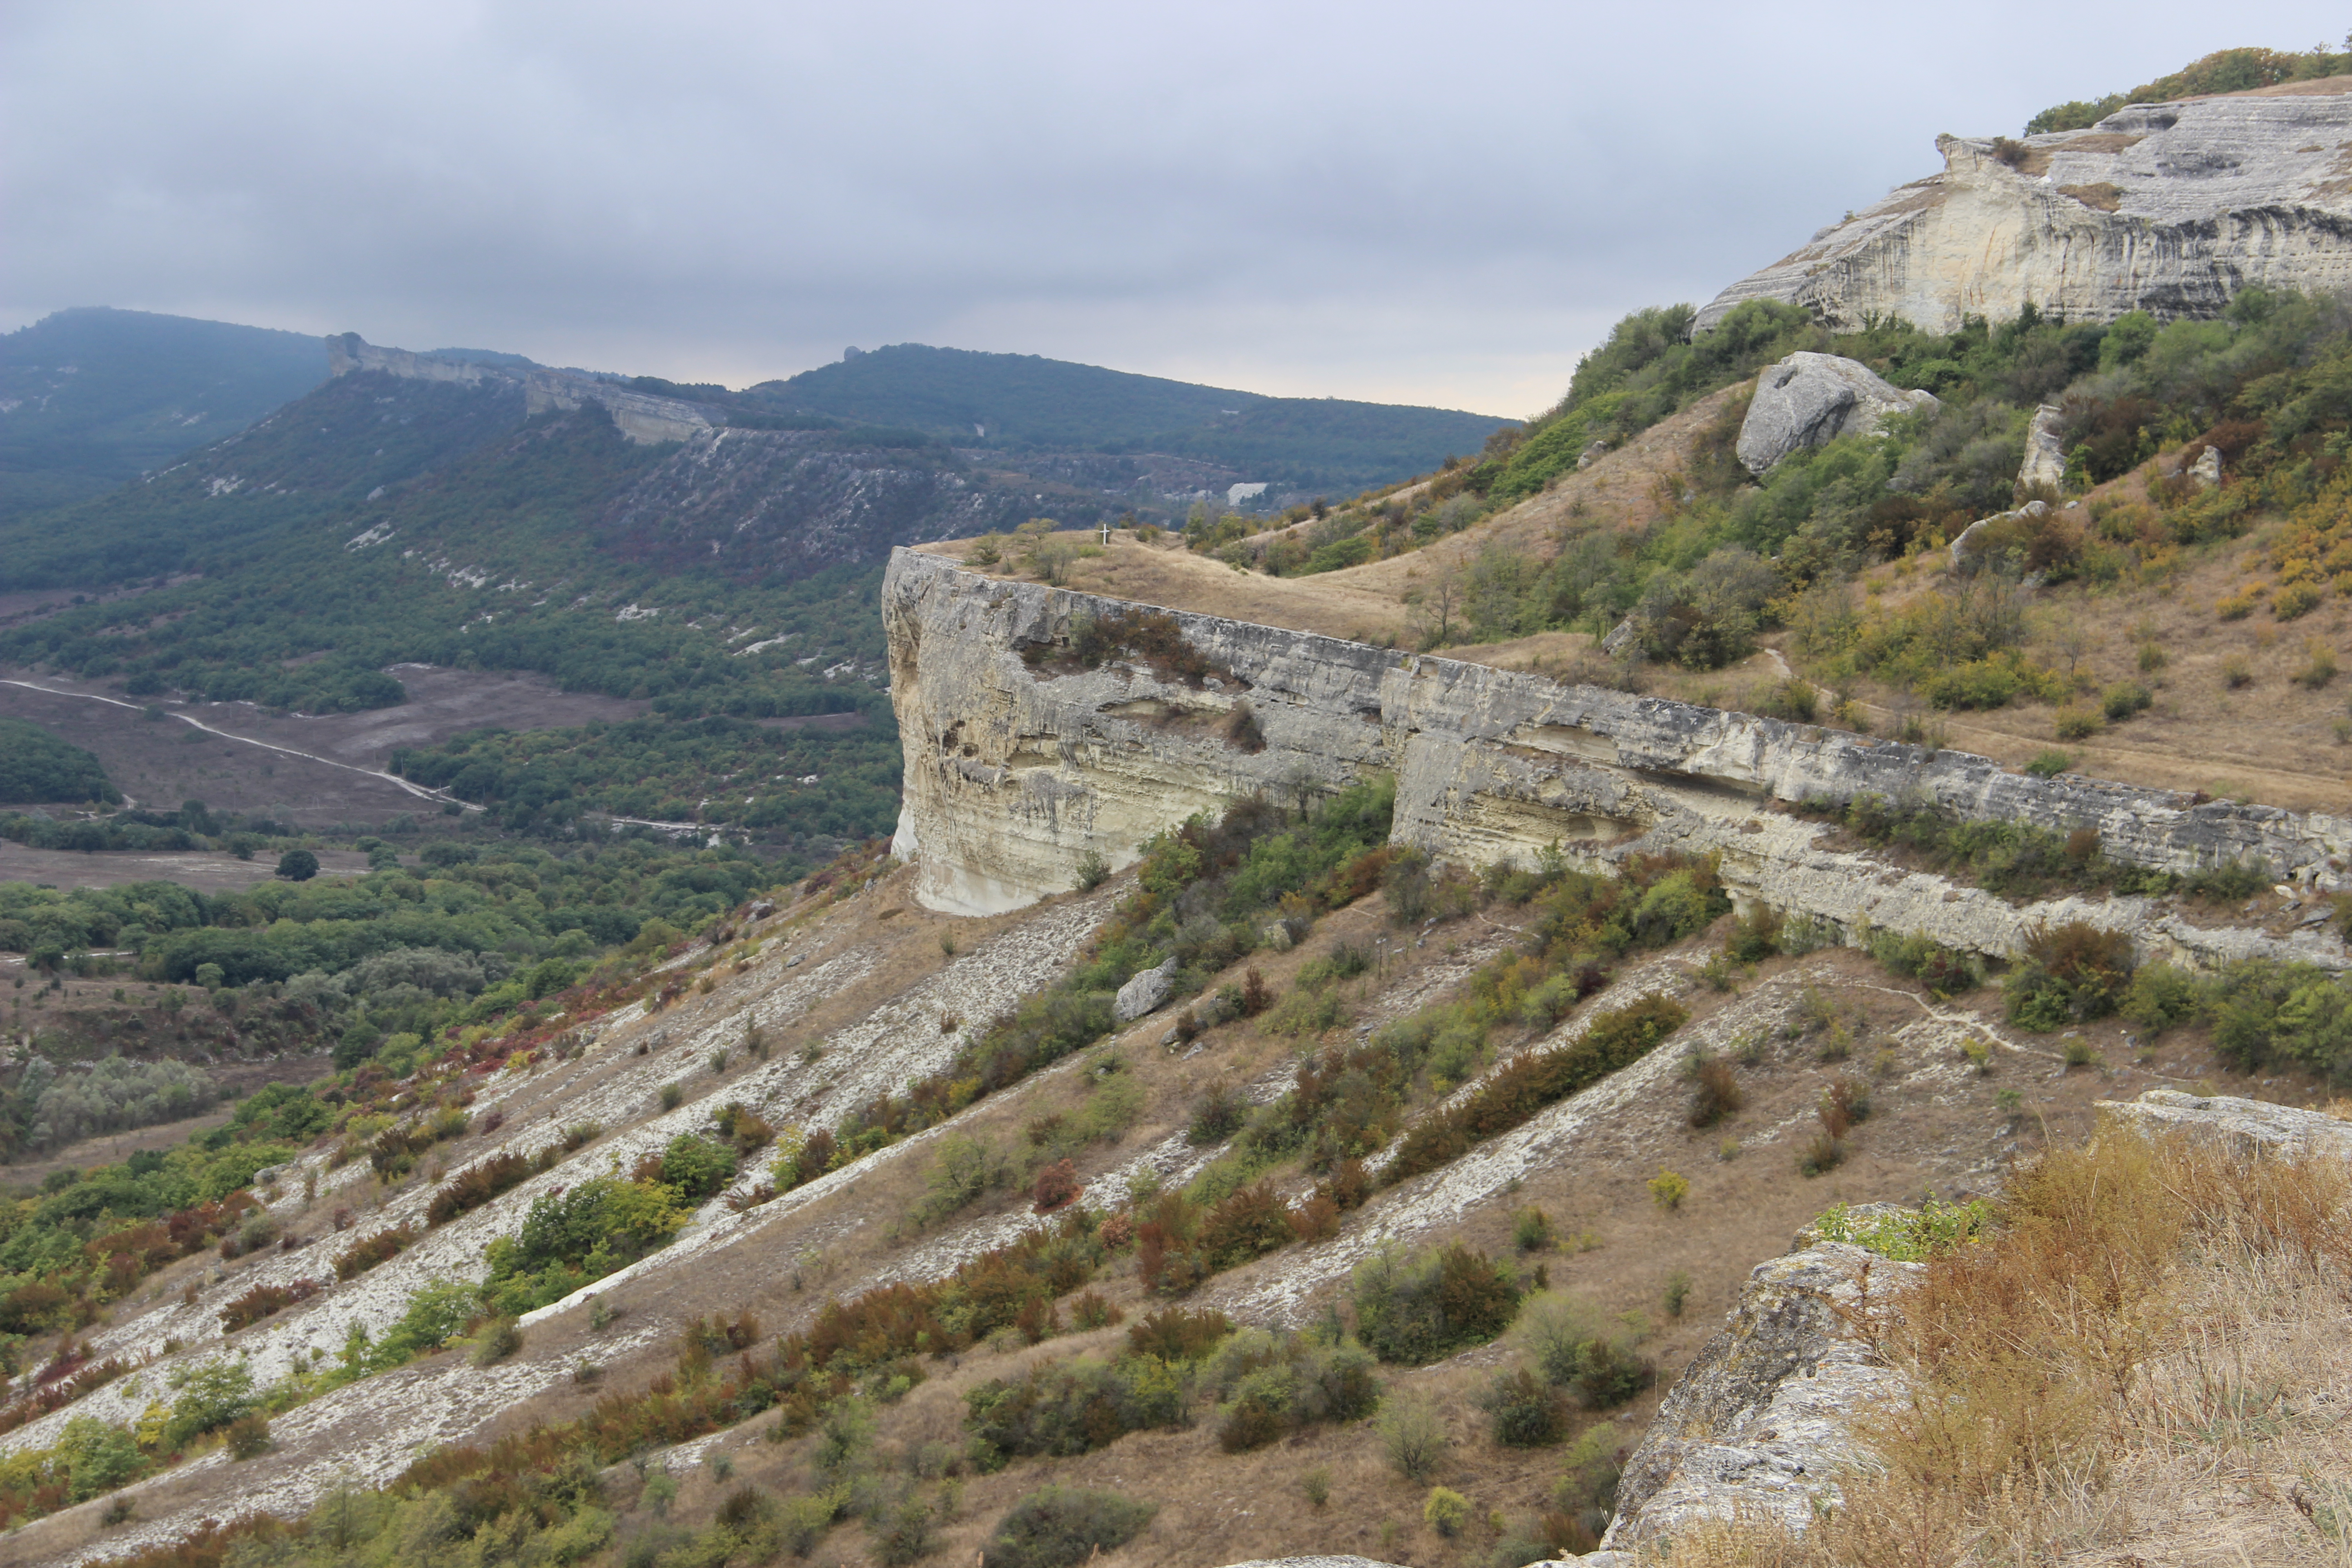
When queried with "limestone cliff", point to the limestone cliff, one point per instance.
{"points": [[1016, 769], [2168, 207], [640, 416]]}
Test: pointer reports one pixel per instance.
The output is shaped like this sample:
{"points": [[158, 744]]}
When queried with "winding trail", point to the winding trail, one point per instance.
{"points": [[435, 796]]}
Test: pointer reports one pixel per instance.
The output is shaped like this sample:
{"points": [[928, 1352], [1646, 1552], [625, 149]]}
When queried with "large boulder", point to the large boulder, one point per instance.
{"points": [[1809, 398], [1145, 991]]}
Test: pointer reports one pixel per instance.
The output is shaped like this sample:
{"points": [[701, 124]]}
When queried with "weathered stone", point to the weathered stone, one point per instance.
{"points": [[1623, 637], [1591, 454], [2045, 460], [2250, 1124], [1147, 990], [1966, 548], [2170, 207], [1762, 1420], [1276, 935], [1810, 398], [2207, 469], [1489, 764]]}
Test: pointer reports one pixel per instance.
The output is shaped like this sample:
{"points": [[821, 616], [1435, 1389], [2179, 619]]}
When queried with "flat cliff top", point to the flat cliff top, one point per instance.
{"points": [[1389, 602]]}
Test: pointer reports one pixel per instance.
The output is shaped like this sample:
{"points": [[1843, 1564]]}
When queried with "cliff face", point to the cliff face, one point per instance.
{"points": [[639, 416], [1014, 771], [800, 501], [2171, 209]]}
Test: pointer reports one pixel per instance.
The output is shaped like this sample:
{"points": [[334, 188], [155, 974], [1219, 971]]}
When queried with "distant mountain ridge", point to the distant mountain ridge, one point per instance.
{"points": [[1024, 403], [92, 397]]}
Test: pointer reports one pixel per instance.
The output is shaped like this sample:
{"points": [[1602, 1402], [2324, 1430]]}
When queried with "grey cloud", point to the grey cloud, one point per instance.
{"points": [[1435, 204]]}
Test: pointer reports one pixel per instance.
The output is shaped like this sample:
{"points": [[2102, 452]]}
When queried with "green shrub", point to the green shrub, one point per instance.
{"points": [[1446, 1512], [1268, 1385], [1061, 1527], [1945, 971], [2123, 699], [1527, 1412], [1413, 1437], [2160, 995], [2050, 764], [1911, 1236], [499, 1339], [1531, 1230], [97, 1457], [1610, 1374], [2069, 973], [2230, 880], [1420, 1309], [247, 1437], [1534, 1080]]}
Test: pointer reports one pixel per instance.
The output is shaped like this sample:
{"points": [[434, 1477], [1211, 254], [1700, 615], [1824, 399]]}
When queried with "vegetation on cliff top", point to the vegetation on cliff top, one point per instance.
{"points": [[2224, 70]]}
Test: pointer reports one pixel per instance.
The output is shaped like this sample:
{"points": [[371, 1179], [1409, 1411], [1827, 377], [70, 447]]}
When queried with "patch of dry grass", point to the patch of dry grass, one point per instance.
{"points": [[2147, 1362]]}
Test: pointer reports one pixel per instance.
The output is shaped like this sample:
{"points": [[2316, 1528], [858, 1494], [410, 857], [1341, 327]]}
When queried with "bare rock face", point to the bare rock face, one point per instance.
{"points": [[2207, 469], [1015, 770], [2252, 1125], [1808, 399], [640, 416], [2171, 208], [2046, 462], [1759, 1422]]}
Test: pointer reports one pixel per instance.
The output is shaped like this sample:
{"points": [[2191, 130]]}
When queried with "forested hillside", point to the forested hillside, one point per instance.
{"points": [[91, 398], [1021, 403]]}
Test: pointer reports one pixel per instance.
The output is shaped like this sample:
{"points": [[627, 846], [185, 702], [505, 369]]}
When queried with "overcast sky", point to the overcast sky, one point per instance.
{"points": [[1427, 204]]}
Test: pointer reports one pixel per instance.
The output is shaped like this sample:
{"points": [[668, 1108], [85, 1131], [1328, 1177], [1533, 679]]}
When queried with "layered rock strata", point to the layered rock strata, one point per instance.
{"points": [[2171, 209], [640, 416], [1017, 767]]}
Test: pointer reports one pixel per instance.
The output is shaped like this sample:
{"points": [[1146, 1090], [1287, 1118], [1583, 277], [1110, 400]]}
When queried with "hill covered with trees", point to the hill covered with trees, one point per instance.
{"points": [[91, 398]]}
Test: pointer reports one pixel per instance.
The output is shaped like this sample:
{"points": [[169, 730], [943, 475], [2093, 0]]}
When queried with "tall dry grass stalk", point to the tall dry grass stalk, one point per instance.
{"points": [[2157, 1328]]}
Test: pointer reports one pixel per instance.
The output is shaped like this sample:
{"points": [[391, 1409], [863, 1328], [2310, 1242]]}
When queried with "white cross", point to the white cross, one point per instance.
{"points": [[1106, 528]]}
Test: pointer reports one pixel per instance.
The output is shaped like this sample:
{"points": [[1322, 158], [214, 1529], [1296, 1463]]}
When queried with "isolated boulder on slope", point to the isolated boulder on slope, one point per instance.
{"points": [[1809, 398]]}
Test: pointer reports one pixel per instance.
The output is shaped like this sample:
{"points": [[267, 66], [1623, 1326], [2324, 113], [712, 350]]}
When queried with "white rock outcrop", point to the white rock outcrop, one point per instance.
{"points": [[2171, 208], [1015, 770], [1808, 399], [640, 416], [2046, 461], [2252, 1125], [1759, 1422]]}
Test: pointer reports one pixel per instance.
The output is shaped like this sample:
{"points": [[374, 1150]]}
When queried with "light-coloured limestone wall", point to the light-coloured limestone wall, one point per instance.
{"points": [[2169, 207], [640, 416], [1014, 771]]}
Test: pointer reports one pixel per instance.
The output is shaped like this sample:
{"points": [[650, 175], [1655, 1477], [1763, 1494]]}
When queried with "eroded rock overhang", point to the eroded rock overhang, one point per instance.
{"points": [[1016, 772]]}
